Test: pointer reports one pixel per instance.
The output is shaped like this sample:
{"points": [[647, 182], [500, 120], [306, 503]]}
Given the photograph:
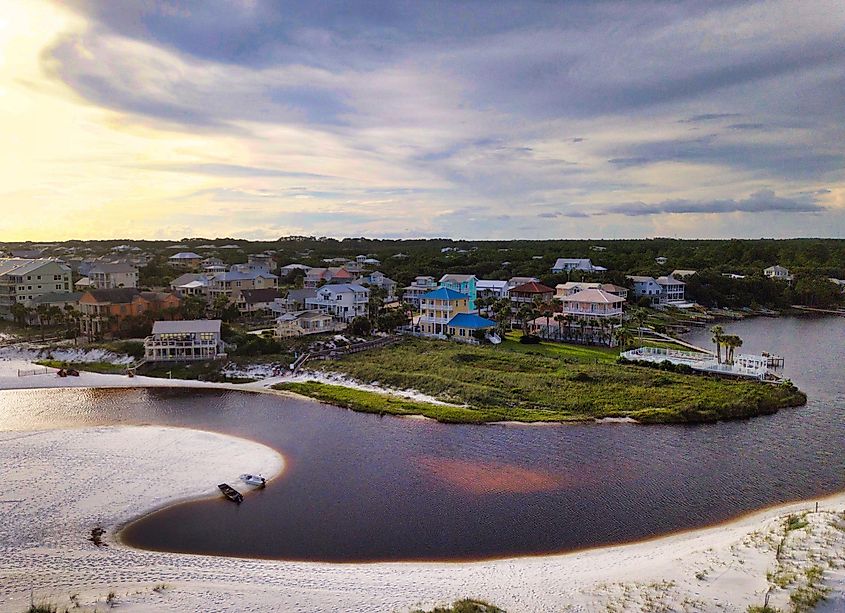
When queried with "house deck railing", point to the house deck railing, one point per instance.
{"points": [[750, 366]]}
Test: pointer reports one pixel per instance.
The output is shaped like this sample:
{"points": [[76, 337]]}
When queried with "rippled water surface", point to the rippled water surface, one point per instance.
{"points": [[362, 487]]}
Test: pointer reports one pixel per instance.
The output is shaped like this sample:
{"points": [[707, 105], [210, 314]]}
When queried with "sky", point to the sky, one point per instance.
{"points": [[476, 119]]}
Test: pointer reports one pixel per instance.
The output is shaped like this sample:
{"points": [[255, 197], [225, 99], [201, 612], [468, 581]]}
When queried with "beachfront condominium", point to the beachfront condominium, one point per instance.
{"points": [[23, 280]]}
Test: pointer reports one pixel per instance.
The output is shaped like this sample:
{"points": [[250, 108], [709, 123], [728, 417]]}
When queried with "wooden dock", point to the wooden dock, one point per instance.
{"points": [[815, 310]]}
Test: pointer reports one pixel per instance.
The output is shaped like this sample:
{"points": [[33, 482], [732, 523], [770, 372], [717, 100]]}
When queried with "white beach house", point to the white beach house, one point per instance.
{"points": [[184, 341]]}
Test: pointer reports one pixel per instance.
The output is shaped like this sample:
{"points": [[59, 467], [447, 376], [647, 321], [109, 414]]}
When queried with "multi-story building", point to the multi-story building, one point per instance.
{"points": [[302, 323], [230, 284], [257, 262], [22, 281], [515, 281], [103, 310], [184, 341], [344, 301], [185, 260], [438, 307], [593, 304], [382, 281], [413, 292], [663, 290], [672, 289], [191, 284], [573, 287], [488, 288], [257, 301], [315, 277], [108, 276], [529, 293], [465, 284]]}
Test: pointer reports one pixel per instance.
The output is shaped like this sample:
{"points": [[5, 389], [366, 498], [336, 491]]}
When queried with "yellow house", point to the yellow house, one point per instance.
{"points": [[438, 307]]}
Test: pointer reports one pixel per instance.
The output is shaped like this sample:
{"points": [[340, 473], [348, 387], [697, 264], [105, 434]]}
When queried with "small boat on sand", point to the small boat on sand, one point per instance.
{"points": [[256, 480], [231, 493]]}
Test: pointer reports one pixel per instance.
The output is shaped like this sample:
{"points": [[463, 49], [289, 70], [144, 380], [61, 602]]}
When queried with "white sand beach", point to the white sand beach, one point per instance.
{"points": [[60, 484]]}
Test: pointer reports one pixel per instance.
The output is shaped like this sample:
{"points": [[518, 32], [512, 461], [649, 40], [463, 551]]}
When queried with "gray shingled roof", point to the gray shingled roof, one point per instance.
{"points": [[187, 326]]}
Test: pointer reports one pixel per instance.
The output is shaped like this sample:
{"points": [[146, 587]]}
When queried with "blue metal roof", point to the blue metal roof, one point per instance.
{"points": [[471, 320], [444, 293]]}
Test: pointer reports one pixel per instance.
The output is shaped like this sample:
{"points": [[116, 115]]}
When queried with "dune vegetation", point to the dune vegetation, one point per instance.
{"points": [[488, 384]]}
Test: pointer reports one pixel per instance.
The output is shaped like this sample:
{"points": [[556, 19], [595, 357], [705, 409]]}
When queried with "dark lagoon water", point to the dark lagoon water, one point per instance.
{"points": [[360, 487]]}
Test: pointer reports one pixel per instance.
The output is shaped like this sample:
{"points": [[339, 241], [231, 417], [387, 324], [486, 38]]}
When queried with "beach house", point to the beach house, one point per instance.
{"points": [[102, 311], [529, 293], [108, 275], [571, 264], [186, 260], [468, 327], [778, 273], [492, 289], [232, 283], [257, 301], [660, 291], [302, 323], [464, 284], [420, 286], [438, 307], [184, 341], [344, 301]]}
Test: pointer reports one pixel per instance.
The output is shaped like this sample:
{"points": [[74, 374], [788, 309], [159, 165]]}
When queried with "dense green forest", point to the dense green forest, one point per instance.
{"points": [[812, 261]]}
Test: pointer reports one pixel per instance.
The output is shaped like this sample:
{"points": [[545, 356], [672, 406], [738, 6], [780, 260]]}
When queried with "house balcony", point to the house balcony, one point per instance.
{"points": [[587, 314]]}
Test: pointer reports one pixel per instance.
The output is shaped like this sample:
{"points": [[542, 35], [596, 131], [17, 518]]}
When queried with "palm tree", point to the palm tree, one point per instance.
{"points": [[731, 342], [570, 319], [547, 313], [624, 336], [525, 314], [639, 315], [718, 335], [560, 318]]}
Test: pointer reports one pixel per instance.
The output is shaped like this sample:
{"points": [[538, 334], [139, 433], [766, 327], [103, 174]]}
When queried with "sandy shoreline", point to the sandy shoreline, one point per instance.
{"points": [[48, 481]]}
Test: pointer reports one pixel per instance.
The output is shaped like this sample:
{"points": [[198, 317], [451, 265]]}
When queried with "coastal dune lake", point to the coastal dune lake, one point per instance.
{"points": [[359, 487]]}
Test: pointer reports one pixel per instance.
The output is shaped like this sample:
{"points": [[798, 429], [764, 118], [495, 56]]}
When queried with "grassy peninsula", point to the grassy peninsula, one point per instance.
{"points": [[537, 383]]}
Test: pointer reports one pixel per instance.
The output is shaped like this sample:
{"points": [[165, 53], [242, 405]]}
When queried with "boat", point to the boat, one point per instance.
{"points": [[256, 480], [231, 493]]}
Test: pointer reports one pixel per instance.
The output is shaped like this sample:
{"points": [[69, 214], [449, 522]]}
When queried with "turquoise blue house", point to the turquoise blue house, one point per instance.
{"points": [[465, 284]]}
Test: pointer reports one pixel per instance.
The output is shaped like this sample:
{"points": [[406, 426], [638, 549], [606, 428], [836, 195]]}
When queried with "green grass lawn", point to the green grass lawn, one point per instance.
{"points": [[574, 353], [504, 383]]}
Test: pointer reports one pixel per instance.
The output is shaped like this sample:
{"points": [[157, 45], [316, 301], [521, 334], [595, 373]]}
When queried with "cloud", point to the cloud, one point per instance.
{"points": [[776, 158], [763, 201], [459, 118], [228, 170], [707, 117]]}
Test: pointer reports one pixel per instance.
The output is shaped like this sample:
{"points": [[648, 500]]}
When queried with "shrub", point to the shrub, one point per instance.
{"points": [[360, 326], [466, 606], [529, 339]]}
